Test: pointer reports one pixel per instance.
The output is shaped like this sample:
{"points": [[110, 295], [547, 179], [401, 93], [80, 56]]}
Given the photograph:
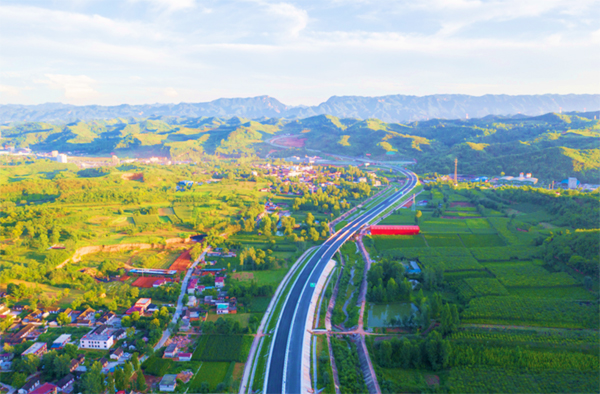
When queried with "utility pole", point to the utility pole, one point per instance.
{"points": [[456, 172]]}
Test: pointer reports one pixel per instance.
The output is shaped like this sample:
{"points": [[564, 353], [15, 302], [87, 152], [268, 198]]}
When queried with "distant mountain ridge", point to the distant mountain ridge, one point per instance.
{"points": [[392, 108]]}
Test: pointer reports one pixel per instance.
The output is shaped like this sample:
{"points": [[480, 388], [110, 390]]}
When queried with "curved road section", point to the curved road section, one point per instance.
{"points": [[284, 372]]}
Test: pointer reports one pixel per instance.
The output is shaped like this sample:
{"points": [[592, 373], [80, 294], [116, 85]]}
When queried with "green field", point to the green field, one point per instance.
{"points": [[443, 240], [438, 225], [481, 240], [529, 274], [223, 348], [212, 373], [383, 242]]}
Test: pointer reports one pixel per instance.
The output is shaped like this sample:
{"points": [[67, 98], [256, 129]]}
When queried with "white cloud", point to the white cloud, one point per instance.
{"points": [[170, 92], [169, 5], [9, 90], [294, 19], [76, 88]]}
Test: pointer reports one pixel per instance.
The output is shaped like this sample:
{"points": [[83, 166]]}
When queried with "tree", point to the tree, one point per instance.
{"points": [[385, 353], [128, 370], [92, 381], [310, 219], [204, 388], [63, 319], [418, 215], [120, 379], [18, 380], [61, 366], [135, 361], [110, 383], [141, 381], [313, 234]]}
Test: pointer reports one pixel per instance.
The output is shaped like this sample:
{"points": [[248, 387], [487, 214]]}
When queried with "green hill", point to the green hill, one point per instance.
{"points": [[550, 146]]}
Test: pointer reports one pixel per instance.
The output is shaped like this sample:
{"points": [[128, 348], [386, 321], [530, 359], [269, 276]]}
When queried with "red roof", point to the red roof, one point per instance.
{"points": [[44, 389], [220, 279], [391, 227]]}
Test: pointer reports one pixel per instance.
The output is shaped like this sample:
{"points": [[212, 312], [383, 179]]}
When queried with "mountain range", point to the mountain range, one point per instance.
{"points": [[393, 108]]}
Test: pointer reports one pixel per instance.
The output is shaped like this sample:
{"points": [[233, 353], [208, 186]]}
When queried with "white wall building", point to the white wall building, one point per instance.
{"points": [[61, 158], [100, 338]]}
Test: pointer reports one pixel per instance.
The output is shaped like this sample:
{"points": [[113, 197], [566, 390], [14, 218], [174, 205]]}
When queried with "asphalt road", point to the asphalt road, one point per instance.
{"points": [[284, 374]]}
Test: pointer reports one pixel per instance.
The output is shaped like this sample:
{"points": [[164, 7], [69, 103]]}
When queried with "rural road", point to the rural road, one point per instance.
{"points": [[167, 333]]}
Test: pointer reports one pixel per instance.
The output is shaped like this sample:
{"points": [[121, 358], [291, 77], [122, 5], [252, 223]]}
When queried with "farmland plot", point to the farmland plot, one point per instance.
{"points": [[481, 240], [527, 274], [443, 240], [531, 311]]}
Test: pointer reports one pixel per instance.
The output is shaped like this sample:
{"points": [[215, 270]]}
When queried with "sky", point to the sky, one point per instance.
{"points": [[300, 52]]}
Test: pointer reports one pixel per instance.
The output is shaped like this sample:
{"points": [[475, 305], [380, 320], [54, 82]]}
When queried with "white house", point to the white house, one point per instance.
{"points": [[168, 383], [100, 338]]}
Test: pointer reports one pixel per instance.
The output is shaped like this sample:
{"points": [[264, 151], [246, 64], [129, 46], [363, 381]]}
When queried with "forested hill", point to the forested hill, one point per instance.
{"points": [[393, 108], [552, 146]]}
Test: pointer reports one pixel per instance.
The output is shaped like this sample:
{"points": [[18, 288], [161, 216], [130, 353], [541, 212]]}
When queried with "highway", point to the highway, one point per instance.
{"points": [[283, 372]]}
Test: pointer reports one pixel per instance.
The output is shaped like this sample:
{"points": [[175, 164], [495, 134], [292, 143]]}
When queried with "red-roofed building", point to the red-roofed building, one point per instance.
{"points": [[46, 388], [394, 230], [219, 281], [192, 285]]}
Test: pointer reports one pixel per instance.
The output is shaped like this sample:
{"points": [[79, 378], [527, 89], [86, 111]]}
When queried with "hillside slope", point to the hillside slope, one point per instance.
{"points": [[551, 146]]}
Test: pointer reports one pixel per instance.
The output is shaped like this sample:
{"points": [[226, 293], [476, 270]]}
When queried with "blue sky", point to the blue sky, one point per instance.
{"points": [[300, 52]]}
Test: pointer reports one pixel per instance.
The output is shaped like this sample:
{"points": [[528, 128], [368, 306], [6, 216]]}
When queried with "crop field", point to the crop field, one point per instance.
{"points": [[462, 214], [223, 348], [486, 286], [480, 226], [182, 262], [212, 373], [481, 240], [531, 311], [512, 252], [438, 225], [450, 259], [145, 219], [242, 318], [399, 219], [157, 366], [443, 240], [550, 337], [383, 242], [528, 274], [501, 225], [500, 380], [565, 293], [184, 212]]}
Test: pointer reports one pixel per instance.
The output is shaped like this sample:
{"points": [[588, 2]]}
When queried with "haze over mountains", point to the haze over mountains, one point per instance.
{"points": [[393, 108]]}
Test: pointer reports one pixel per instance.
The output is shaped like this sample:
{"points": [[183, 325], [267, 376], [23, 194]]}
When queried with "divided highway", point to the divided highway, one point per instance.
{"points": [[283, 372]]}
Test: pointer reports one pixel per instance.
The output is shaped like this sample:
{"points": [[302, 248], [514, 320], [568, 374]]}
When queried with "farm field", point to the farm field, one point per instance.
{"points": [[481, 240], [528, 319], [212, 373], [443, 240], [383, 242], [242, 318], [222, 348]]}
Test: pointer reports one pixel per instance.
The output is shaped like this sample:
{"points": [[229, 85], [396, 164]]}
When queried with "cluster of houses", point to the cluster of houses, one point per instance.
{"points": [[105, 333]]}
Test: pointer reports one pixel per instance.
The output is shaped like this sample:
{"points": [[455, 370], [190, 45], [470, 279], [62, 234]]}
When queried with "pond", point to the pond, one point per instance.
{"points": [[380, 315]]}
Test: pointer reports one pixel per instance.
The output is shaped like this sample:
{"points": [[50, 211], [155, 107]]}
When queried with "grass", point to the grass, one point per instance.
{"points": [[212, 373]]}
